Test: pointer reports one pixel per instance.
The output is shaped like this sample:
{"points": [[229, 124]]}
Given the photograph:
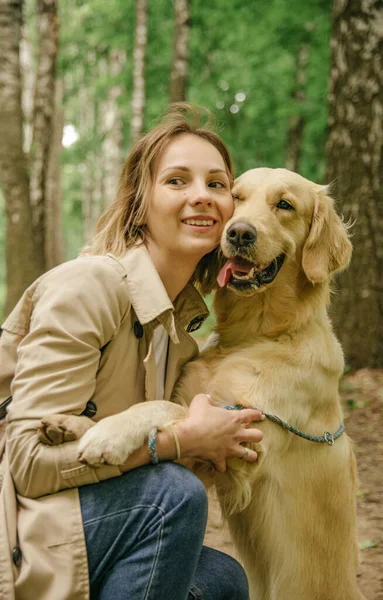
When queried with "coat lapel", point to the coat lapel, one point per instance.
{"points": [[152, 305]]}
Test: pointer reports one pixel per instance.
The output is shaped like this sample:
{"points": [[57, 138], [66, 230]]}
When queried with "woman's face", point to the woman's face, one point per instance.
{"points": [[190, 200]]}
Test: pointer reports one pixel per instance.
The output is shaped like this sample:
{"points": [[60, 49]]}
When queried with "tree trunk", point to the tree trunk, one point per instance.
{"points": [[43, 120], [296, 122], [28, 79], [138, 96], [92, 176], [355, 165], [22, 268], [87, 202], [180, 51], [53, 225], [111, 127]]}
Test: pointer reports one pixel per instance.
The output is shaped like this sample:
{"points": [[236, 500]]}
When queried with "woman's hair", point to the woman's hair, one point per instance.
{"points": [[122, 224]]}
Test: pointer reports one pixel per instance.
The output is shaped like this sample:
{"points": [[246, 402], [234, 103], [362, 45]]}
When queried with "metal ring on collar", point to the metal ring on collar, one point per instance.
{"points": [[329, 438]]}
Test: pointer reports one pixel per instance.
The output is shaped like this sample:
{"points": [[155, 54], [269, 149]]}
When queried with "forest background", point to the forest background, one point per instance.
{"points": [[293, 84]]}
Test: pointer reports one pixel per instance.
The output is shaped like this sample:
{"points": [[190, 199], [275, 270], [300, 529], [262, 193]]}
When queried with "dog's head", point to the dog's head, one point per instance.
{"points": [[281, 218]]}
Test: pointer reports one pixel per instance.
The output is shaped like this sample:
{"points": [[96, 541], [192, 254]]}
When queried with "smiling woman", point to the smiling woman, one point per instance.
{"points": [[200, 162], [189, 204], [97, 336]]}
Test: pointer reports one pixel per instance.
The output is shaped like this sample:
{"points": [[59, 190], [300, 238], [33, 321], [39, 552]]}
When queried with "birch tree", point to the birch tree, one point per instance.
{"points": [[111, 126], [23, 176], [296, 122], [178, 76], [44, 102], [53, 197], [138, 95], [92, 167], [22, 265], [355, 165]]}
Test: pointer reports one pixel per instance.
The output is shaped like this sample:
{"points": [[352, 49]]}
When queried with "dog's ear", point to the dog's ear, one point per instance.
{"points": [[327, 248]]}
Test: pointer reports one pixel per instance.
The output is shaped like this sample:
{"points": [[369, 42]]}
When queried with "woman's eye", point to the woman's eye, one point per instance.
{"points": [[175, 181], [217, 184], [284, 205]]}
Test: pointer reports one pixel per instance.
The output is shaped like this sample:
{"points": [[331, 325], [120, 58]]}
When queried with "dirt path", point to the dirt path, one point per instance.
{"points": [[362, 394]]}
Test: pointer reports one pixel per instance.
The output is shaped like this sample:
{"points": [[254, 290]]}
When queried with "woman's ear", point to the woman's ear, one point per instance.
{"points": [[327, 248]]}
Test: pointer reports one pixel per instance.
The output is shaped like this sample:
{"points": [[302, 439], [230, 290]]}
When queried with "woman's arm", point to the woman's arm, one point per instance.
{"points": [[208, 432], [76, 310], [139, 458]]}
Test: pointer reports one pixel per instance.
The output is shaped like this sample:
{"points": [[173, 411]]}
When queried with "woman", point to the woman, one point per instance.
{"points": [[99, 334]]}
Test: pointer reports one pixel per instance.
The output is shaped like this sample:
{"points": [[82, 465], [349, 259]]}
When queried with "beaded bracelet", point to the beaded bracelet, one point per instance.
{"points": [[152, 445]]}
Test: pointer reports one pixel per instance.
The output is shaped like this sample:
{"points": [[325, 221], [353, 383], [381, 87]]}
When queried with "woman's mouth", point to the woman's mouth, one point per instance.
{"points": [[200, 222]]}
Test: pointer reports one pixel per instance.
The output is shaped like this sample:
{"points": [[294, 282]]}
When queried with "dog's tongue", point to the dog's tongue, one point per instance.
{"points": [[233, 264]]}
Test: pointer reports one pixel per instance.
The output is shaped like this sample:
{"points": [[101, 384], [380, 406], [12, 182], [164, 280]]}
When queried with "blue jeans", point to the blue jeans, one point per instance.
{"points": [[144, 532]]}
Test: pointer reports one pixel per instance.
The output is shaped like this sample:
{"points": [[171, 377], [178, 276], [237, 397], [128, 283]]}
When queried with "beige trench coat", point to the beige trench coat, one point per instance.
{"points": [[86, 334]]}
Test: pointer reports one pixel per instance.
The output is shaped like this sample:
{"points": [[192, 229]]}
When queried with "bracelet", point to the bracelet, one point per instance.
{"points": [[175, 438], [152, 445]]}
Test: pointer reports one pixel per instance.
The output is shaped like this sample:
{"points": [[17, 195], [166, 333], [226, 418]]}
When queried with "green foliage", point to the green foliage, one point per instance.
{"points": [[203, 333], [242, 66], [235, 48], [366, 544]]}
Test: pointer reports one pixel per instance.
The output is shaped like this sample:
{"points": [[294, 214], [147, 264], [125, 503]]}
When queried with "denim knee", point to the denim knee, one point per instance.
{"points": [[187, 490], [219, 577], [238, 580]]}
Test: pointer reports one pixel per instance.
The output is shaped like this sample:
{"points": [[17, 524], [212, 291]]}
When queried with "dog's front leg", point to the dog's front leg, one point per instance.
{"points": [[113, 439], [194, 379]]}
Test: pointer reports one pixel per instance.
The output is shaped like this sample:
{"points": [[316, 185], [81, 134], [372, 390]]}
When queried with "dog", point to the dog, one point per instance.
{"points": [[292, 513]]}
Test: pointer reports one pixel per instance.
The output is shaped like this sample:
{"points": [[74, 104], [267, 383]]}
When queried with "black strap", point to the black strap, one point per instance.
{"points": [[3, 407]]}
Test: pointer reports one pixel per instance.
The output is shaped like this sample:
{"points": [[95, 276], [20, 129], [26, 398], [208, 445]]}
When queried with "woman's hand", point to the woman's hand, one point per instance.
{"points": [[215, 433]]}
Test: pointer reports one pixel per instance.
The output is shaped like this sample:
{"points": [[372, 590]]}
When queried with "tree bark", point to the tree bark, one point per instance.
{"points": [[296, 122], [138, 96], [22, 267], [43, 120], [92, 193], [179, 72], [87, 203], [92, 174], [355, 165], [111, 127], [53, 224], [28, 79]]}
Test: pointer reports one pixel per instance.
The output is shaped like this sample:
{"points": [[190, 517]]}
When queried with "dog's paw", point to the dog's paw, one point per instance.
{"points": [[109, 442], [57, 429]]}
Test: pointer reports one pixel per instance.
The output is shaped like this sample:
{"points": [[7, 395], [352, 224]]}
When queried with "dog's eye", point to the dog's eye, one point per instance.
{"points": [[237, 197], [284, 205]]}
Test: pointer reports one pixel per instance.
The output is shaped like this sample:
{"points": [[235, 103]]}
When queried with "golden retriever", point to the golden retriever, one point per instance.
{"points": [[292, 513]]}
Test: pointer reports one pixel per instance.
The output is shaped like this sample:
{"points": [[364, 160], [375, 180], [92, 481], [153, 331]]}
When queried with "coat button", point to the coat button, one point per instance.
{"points": [[138, 330], [17, 556], [90, 409]]}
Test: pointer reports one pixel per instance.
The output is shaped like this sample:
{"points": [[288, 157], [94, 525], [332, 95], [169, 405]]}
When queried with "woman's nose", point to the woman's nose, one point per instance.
{"points": [[200, 194]]}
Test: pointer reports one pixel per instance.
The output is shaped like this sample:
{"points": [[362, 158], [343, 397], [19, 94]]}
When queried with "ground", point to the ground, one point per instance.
{"points": [[362, 396]]}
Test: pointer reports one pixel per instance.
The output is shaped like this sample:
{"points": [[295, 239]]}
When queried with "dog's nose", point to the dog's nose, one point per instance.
{"points": [[241, 234]]}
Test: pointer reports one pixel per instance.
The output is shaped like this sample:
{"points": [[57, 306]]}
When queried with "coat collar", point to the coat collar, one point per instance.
{"points": [[149, 298]]}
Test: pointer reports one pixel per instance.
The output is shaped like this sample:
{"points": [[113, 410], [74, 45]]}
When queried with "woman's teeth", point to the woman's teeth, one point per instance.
{"points": [[198, 222]]}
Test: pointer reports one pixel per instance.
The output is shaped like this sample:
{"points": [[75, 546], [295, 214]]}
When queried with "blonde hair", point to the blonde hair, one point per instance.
{"points": [[122, 224]]}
